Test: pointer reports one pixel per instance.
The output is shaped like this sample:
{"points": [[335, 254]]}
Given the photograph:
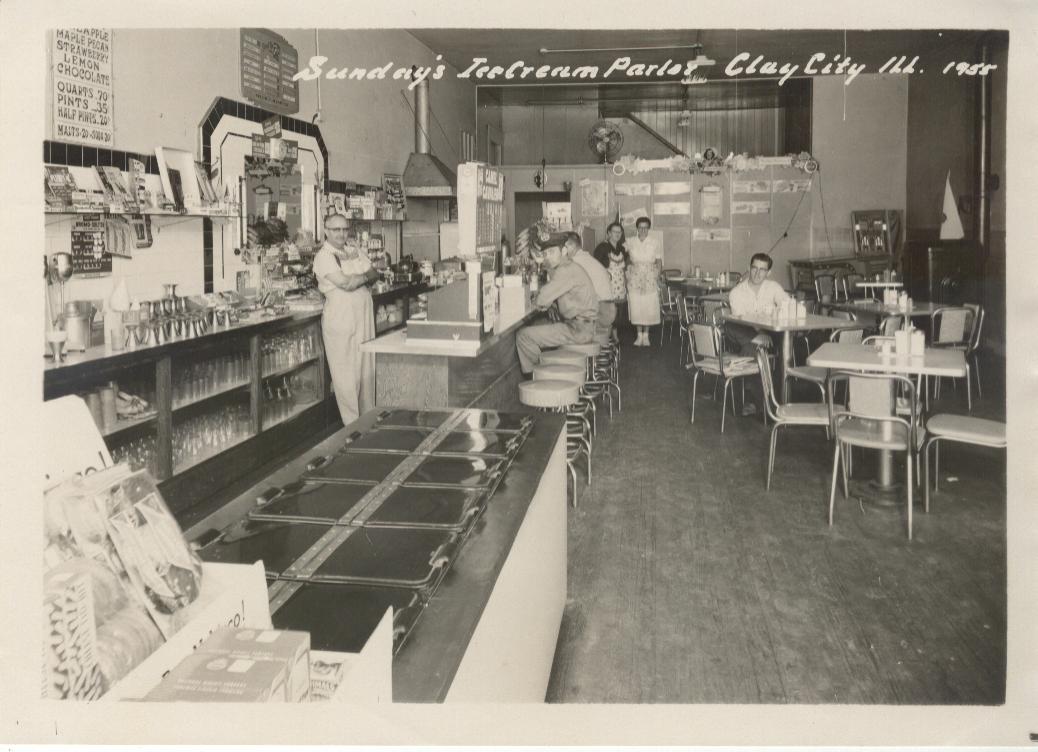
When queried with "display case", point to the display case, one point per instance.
{"points": [[200, 413], [393, 307]]}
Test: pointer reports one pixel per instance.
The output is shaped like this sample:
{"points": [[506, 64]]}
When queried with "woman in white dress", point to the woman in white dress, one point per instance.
{"points": [[643, 296]]}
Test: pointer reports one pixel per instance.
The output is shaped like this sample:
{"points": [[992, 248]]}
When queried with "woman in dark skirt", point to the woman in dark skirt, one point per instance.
{"points": [[612, 254]]}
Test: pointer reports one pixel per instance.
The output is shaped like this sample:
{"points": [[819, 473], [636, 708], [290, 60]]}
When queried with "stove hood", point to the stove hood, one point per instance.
{"points": [[426, 176]]}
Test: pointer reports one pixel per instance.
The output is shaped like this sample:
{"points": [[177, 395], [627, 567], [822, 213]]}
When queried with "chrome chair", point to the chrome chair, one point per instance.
{"points": [[789, 414], [953, 327], [893, 323], [974, 345], [869, 421], [816, 375], [963, 429], [668, 309], [825, 288], [850, 282], [708, 356]]}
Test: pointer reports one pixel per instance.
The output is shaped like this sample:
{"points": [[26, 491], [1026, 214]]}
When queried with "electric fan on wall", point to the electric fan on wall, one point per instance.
{"points": [[605, 139]]}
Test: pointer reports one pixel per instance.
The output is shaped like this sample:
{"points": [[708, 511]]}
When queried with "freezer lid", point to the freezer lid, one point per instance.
{"points": [[496, 443], [341, 617], [403, 557], [408, 506], [467, 471], [355, 467], [307, 501], [399, 439], [413, 418], [495, 421], [278, 544]]}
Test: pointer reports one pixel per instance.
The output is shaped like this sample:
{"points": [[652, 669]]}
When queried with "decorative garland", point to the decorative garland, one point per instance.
{"points": [[708, 163]]}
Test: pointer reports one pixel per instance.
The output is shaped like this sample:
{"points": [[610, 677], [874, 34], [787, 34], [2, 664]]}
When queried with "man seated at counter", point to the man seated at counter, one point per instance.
{"points": [[600, 281], [570, 290], [343, 273], [756, 295]]}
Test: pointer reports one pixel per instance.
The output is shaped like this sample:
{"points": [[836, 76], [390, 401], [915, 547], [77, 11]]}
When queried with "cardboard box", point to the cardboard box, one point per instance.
{"points": [[288, 648], [209, 677]]}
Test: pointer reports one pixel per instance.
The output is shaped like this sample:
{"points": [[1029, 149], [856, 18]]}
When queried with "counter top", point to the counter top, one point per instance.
{"points": [[396, 343]]}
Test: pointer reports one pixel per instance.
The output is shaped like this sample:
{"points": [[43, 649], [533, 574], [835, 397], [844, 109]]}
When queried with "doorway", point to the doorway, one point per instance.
{"points": [[528, 206]]}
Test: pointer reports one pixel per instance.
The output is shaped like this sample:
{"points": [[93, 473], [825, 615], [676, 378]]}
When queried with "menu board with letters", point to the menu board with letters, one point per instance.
{"points": [[481, 203], [82, 67], [89, 254], [268, 63]]}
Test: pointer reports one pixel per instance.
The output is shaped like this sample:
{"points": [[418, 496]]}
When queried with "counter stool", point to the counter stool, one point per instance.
{"points": [[577, 413], [557, 394], [601, 372], [964, 429], [564, 357]]}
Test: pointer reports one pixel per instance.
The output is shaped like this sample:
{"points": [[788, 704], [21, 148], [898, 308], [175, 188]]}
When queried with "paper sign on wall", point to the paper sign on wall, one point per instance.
{"points": [[593, 197], [710, 209], [793, 186], [671, 188], [751, 186], [751, 207], [671, 207], [630, 217], [720, 233], [83, 105], [633, 189]]}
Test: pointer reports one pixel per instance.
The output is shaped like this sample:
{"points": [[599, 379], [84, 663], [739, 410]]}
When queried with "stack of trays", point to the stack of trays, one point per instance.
{"points": [[376, 525]]}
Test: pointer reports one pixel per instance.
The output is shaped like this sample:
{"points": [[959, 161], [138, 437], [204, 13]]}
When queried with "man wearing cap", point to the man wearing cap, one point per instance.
{"points": [[570, 290], [600, 282]]}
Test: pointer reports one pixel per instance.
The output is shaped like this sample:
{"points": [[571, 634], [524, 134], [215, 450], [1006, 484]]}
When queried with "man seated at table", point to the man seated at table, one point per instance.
{"points": [[602, 284], [756, 295], [570, 290]]}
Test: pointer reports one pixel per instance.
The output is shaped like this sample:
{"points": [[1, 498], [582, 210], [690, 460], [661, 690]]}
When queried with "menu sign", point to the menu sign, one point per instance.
{"points": [[481, 194], [89, 255], [83, 106], [268, 63]]}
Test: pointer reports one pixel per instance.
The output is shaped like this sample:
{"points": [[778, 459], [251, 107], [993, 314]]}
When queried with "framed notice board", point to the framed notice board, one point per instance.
{"points": [[90, 257], [268, 63]]}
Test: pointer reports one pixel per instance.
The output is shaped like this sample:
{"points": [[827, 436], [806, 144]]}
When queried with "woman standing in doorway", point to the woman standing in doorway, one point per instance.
{"points": [[612, 254], [642, 293]]}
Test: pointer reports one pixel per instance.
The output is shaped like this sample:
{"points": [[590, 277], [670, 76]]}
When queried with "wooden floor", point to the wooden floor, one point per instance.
{"points": [[688, 583]]}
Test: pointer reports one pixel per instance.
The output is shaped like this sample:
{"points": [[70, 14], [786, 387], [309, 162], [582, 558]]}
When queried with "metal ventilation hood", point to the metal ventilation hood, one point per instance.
{"points": [[426, 176]]}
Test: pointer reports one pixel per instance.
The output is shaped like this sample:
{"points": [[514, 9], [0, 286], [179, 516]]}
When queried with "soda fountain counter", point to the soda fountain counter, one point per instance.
{"points": [[476, 621], [453, 371]]}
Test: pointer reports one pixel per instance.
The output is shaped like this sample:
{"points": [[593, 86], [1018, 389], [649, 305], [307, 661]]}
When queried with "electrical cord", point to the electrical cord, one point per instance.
{"points": [[825, 221], [785, 232]]}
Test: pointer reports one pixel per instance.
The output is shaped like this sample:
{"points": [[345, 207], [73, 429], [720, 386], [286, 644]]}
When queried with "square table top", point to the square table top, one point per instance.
{"points": [[935, 361], [919, 308], [774, 324], [880, 284]]}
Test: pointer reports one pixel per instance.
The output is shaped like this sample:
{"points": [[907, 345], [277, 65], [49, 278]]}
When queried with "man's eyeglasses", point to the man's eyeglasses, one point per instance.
{"points": [[762, 269]]}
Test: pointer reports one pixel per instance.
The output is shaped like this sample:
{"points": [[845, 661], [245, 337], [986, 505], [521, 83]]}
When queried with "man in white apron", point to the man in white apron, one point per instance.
{"points": [[343, 274]]}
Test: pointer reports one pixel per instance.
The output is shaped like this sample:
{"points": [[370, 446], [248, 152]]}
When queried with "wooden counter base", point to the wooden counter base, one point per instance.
{"points": [[488, 380]]}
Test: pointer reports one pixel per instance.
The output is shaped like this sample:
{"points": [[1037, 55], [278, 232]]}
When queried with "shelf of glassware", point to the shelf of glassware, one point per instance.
{"points": [[290, 365], [200, 436]]}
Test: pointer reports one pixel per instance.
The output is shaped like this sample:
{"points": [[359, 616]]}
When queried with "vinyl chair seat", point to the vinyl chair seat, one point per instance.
{"points": [[808, 373], [548, 393], [968, 429], [870, 434], [804, 413], [734, 365]]}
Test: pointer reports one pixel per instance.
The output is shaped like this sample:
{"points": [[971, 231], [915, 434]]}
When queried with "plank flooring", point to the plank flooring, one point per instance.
{"points": [[688, 583]]}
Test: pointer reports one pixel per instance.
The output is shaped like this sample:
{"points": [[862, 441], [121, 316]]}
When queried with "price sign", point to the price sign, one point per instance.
{"points": [[268, 63], [82, 68]]}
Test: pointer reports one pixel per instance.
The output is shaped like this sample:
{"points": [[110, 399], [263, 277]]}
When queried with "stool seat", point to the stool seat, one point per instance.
{"points": [[967, 429], [561, 372], [548, 393], [563, 357], [591, 349]]}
